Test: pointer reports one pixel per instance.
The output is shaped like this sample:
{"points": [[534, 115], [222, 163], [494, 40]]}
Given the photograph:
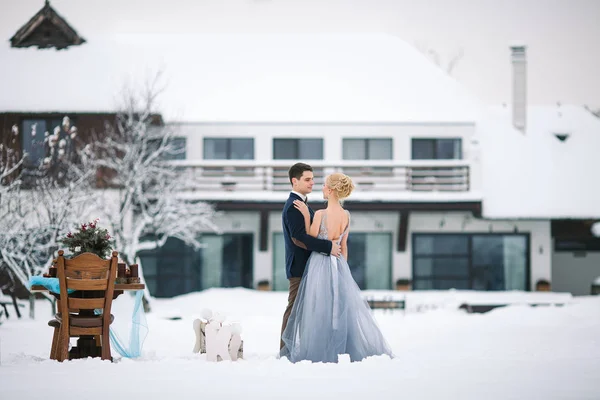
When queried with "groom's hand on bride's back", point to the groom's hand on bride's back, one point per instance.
{"points": [[336, 249]]}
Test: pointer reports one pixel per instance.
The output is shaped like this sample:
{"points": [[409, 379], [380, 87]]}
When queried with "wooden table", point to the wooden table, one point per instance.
{"points": [[85, 344]]}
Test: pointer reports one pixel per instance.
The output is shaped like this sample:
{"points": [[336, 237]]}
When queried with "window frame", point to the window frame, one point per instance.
{"points": [[297, 155], [435, 141], [228, 146], [367, 142]]}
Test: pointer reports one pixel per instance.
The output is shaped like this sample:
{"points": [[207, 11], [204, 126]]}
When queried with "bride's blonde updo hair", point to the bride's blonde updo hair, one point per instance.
{"points": [[341, 184]]}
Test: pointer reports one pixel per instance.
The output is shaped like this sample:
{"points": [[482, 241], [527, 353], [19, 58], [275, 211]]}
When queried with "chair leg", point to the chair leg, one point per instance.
{"points": [[106, 344], [55, 342], [63, 347]]}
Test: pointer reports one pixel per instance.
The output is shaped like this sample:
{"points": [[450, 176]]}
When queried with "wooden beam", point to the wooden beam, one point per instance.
{"points": [[572, 228], [263, 243], [471, 206], [402, 231]]}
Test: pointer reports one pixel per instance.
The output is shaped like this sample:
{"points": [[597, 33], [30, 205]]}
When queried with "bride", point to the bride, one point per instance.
{"points": [[330, 317]]}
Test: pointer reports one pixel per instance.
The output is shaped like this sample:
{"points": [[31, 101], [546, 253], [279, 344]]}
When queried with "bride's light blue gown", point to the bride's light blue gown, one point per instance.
{"points": [[330, 316]]}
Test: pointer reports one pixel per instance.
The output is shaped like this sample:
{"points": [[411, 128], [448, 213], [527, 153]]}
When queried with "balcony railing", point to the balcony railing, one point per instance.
{"points": [[244, 175]]}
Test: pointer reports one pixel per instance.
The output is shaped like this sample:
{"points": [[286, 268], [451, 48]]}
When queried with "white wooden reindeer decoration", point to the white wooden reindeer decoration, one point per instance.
{"points": [[219, 341]]}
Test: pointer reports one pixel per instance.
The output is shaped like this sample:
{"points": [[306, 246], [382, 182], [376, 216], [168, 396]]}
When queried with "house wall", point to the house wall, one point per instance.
{"points": [[88, 124], [575, 271]]}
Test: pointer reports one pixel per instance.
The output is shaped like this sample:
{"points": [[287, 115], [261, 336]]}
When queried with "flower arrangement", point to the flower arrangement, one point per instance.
{"points": [[88, 237]]}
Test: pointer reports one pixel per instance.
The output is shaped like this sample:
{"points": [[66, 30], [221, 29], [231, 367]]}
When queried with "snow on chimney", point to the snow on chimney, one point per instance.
{"points": [[519, 90]]}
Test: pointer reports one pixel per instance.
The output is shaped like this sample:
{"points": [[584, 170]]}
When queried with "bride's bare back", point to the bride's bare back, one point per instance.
{"points": [[335, 221]]}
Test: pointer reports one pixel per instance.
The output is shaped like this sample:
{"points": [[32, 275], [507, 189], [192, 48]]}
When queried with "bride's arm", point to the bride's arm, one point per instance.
{"points": [[344, 245], [314, 228], [303, 208]]}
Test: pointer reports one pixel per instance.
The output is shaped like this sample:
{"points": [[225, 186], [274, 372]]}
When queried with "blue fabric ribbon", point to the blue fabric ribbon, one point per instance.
{"points": [[51, 284], [137, 331]]}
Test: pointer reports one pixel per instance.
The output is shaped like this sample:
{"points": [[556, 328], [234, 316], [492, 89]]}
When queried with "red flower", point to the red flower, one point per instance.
{"points": [[83, 226], [107, 237], [69, 235]]}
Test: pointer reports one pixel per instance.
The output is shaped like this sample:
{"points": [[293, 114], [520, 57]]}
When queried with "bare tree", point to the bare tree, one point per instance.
{"points": [[141, 186]]}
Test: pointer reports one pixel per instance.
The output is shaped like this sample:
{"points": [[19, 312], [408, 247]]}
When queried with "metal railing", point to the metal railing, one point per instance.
{"points": [[385, 176]]}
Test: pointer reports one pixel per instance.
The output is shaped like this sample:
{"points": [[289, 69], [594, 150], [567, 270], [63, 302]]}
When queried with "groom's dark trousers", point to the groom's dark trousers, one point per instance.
{"points": [[298, 246], [294, 285]]}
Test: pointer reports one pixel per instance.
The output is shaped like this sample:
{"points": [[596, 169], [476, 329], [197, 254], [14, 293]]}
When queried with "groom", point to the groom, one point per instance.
{"points": [[298, 243]]}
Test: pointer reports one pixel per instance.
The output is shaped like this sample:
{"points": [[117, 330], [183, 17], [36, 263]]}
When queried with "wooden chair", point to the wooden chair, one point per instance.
{"points": [[88, 275]]}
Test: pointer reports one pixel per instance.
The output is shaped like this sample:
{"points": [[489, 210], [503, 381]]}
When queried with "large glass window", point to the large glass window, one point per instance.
{"points": [[280, 281], [228, 148], [499, 262], [172, 269], [225, 261], [370, 259], [437, 149], [367, 149], [297, 149], [470, 261]]}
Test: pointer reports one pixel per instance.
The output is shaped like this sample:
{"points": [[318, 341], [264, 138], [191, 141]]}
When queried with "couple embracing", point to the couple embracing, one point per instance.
{"points": [[326, 314]]}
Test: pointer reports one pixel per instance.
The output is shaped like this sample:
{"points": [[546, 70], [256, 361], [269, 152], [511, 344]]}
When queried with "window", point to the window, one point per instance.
{"points": [[470, 261], [577, 244], [437, 149], [34, 132], [228, 149], [441, 262], [297, 149], [367, 149]]}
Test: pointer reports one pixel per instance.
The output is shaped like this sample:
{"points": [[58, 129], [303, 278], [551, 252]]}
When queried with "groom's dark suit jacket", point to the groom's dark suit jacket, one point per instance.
{"points": [[294, 230]]}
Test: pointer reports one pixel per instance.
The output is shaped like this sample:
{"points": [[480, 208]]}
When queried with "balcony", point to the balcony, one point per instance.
{"points": [[379, 176]]}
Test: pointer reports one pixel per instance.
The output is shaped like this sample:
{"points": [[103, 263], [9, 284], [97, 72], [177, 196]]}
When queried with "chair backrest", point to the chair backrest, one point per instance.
{"points": [[86, 273]]}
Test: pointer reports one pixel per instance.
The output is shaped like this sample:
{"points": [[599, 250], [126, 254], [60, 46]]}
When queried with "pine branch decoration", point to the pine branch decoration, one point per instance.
{"points": [[89, 238]]}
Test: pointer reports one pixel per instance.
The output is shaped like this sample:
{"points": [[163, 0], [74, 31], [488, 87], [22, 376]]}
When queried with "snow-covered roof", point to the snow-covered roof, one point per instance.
{"points": [[242, 78], [536, 175]]}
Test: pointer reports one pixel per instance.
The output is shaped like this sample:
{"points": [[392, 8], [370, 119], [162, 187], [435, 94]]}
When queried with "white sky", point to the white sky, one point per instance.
{"points": [[562, 36]]}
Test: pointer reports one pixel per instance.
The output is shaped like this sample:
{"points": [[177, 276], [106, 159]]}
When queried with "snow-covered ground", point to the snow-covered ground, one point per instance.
{"points": [[516, 352]]}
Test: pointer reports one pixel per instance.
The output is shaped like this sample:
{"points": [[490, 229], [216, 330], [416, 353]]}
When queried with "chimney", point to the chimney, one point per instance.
{"points": [[519, 90]]}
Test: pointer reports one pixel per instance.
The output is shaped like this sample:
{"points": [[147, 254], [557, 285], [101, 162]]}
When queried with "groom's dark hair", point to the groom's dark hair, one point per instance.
{"points": [[297, 170]]}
